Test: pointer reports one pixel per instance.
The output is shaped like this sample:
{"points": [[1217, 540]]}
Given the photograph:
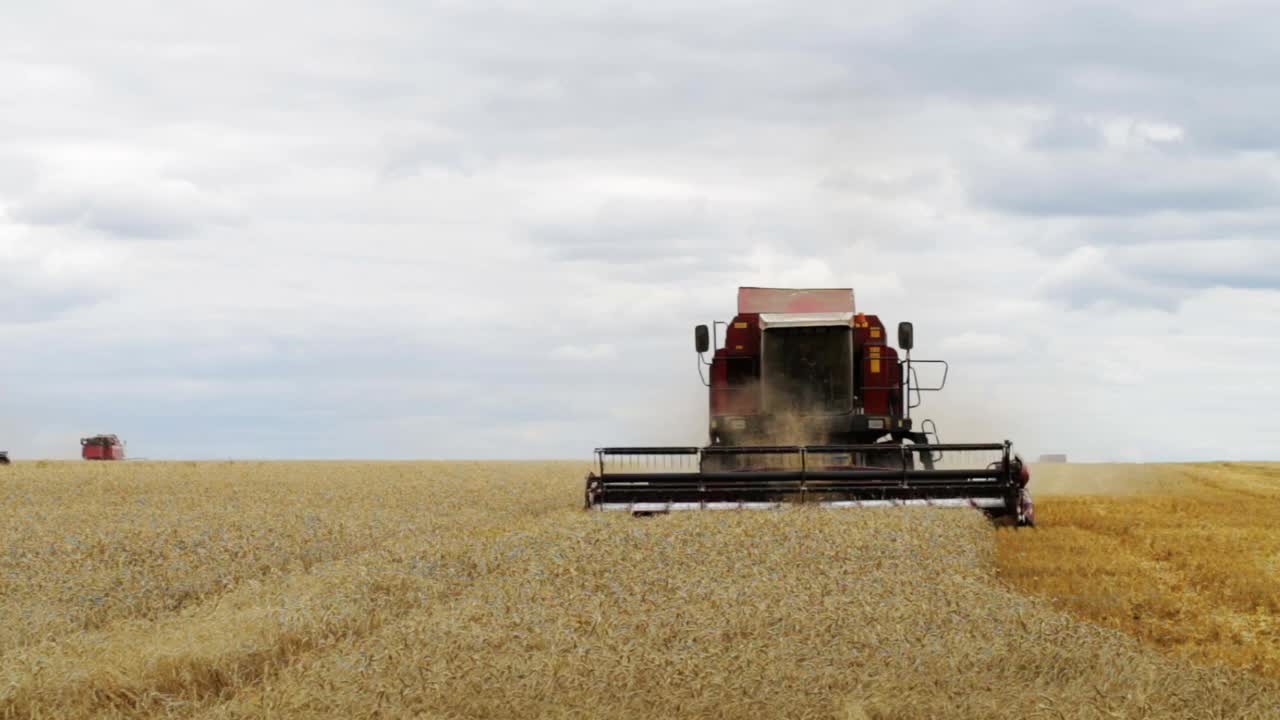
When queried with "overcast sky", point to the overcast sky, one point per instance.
{"points": [[470, 229]]}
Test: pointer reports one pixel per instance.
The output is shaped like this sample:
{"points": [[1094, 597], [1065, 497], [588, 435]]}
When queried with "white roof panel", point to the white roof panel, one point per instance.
{"points": [[824, 319]]}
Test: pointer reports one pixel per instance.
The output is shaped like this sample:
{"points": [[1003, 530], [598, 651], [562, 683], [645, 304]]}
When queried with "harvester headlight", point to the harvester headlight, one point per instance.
{"points": [[876, 423], [737, 423]]}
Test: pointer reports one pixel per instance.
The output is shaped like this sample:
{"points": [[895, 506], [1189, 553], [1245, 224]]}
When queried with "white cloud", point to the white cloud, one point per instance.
{"points": [[487, 228], [1132, 133], [979, 344], [599, 351]]}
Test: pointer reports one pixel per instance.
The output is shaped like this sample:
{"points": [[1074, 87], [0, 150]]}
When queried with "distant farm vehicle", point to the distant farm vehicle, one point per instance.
{"points": [[4, 457], [102, 447]]}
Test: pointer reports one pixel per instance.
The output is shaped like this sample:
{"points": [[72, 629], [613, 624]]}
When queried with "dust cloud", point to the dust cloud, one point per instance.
{"points": [[1110, 479]]}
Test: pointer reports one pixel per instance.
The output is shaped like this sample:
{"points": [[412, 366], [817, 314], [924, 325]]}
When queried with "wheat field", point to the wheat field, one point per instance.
{"points": [[1185, 557], [481, 590]]}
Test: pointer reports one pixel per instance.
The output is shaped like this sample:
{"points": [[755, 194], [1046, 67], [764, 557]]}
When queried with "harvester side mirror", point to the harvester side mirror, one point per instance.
{"points": [[906, 335], [702, 338]]}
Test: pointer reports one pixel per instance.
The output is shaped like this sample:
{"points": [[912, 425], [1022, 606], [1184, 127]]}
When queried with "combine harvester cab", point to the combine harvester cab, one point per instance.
{"points": [[810, 405], [101, 447]]}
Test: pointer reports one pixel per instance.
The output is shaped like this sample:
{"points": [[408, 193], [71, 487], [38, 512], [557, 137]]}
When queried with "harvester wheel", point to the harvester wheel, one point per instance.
{"points": [[1011, 521], [1020, 517]]}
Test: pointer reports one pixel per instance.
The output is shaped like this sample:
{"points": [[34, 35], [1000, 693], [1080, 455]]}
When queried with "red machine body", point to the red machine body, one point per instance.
{"points": [[806, 366], [101, 447]]}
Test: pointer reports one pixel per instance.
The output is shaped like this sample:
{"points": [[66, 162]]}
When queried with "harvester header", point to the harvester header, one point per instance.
{"points": [[808, 403]]}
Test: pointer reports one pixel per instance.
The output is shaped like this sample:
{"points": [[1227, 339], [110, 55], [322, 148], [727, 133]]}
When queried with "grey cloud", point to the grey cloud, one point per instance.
{"points": [[131, 210], [1121, 184], [1070, 132], [22, 302], [1028, 50], [1237, 119], [1158, 275], [891, 185], [411, 153], [1193, 265], [1259, 278], [632, 230]]}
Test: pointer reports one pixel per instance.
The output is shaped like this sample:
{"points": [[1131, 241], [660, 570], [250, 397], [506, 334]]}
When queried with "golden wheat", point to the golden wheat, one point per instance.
{"points": [[1184, 557], [480, 590]]}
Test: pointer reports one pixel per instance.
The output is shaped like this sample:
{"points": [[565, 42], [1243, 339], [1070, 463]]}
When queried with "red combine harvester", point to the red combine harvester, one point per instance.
{"points": [[102, 447], [810, 404]]}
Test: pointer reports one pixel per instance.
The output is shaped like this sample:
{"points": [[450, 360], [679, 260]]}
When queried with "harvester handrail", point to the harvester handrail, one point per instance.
{"points": [[946, 370], [803, 452], [674, 450], [877, 474], [871, 447], [858, 474]]}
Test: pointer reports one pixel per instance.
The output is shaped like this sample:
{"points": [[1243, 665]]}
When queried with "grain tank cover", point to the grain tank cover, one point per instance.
{"points": [[788, 300]]}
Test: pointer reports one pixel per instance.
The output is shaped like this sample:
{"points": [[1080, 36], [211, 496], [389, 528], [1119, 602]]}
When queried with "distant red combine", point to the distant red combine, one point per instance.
{"points": [[102, 447]]}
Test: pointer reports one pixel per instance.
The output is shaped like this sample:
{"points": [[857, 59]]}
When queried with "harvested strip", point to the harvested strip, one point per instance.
{"points": [[801, 613]]}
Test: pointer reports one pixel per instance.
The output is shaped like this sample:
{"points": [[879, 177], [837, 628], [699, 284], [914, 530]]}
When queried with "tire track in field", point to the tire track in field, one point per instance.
{"points": [[150, 553], [225, 644], [234, 642]]}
